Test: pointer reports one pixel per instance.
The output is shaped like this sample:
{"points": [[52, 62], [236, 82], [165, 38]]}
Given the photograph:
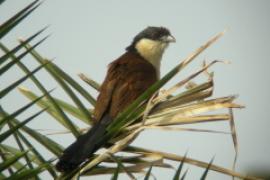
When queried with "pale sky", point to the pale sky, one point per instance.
{"points": [[88, 35]]}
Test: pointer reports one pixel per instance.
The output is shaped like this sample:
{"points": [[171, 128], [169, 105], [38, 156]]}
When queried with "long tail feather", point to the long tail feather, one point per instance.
{"points": [[84, 147]]}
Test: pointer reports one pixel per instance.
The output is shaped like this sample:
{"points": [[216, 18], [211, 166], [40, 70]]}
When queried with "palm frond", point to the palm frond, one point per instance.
{"points": [[17, 18]]}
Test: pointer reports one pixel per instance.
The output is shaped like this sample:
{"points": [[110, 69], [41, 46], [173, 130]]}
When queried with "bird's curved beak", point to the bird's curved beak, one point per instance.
{"points": [[168, 39], [171, 39]]}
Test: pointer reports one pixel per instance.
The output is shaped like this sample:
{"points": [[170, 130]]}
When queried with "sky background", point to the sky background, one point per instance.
{"points": [[88, 35]]}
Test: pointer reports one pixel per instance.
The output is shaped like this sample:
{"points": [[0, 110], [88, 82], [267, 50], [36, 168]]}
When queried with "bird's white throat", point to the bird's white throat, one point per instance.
{"points": [[151, 51]]}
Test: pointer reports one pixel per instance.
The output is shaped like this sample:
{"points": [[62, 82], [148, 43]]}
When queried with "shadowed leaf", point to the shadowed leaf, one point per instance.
{"points": [[13, 159], [59, 112], [148, 174], [27, 174], [19, 111], [60, 76], [48, 143], [39, 158], [178, 172], [116, 173], [65, 87], [1, 1], [6, 90], [20, 145], [73, 83], [6, 134], [10, 64], [43, 140], [17, 18], [121, 165], [207, 169], [184, 175], [17, 48], [45, 102]]}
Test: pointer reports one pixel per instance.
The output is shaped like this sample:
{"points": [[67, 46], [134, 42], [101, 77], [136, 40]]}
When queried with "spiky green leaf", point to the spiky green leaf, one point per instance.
{"points": [[10, 53], [19, 111], [148, 174], [116, 173], [6, 164], [180, 167], [207, 169], [6, 134], [59, 112], [17, 18], [11, 87], [27, 174]]}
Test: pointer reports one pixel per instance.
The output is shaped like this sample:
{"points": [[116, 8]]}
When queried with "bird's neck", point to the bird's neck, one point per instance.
{"points": [[152, 52]]}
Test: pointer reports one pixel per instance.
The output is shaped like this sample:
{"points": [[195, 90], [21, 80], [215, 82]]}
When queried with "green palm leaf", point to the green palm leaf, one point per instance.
{"points": [[48, 143], [17, 48], [72, 110], [10, 64], [6, 164], [178, 172], [19, 111], [11, 87], [17, 18], [147, 176], [27, 174], [207, 169], [6, 134], [116, 173], [59, 112], [60, 76]]}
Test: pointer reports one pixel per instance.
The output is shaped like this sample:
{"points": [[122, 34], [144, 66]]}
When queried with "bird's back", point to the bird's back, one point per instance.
{"points": [[127, 78]]}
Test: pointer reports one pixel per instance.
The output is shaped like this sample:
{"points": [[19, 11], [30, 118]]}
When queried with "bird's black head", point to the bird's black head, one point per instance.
{"points": [[152, 33]]}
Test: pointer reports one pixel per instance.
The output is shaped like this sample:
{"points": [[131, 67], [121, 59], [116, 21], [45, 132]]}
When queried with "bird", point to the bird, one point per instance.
{"points": [[127, 78]]}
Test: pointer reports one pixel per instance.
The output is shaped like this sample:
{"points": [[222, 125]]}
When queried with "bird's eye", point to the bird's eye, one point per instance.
{"points": [[157, 36]]}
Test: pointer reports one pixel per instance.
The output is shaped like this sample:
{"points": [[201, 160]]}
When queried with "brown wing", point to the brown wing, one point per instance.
{"points": [[127, 78]]}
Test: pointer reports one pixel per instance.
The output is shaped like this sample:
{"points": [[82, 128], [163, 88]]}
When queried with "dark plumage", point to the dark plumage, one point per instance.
{"points": [[153, 33], [127, 78]]}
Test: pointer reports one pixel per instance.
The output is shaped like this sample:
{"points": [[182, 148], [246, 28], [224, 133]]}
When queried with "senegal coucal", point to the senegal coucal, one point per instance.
{"points": [[127, 78]]}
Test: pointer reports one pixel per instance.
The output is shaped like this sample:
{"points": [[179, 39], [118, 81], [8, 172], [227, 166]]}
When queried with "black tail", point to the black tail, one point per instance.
{"points": [[83, 147]]}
